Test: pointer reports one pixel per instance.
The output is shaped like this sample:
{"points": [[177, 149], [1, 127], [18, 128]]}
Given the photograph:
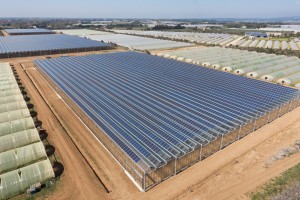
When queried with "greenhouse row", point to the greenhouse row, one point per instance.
{"points": [[29, 31], [23, 158], [129, 41], [268, 67], [138, 43], [81, 32], [201, 38], [271, 44]]}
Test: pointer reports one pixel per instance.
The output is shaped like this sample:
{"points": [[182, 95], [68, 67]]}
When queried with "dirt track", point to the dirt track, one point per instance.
{"points": [[227, 174]]}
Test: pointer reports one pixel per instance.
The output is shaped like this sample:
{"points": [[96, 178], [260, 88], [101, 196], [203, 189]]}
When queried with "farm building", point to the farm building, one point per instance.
{"points": [[35, 45], [23, 158], [32, 31], [256, 35], [158, 116]]}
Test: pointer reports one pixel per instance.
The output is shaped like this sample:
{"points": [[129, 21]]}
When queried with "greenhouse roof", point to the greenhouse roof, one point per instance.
{"points": [[156, 109]]}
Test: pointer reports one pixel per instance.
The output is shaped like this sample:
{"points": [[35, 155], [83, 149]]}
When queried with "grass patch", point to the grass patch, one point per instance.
{"points": [[278, 184]]}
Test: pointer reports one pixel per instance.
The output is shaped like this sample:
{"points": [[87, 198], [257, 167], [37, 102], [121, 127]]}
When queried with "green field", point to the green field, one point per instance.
{"points": [[277, 185]]}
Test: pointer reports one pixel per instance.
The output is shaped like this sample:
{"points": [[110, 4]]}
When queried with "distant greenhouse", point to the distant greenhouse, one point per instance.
{"points": [[201, 38], [81, 32], [136, 42], [29, 31], [35, 45]]}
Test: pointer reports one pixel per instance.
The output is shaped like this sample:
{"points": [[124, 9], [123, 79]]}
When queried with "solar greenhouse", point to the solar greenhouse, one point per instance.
{"points": [[31, 31], [23, 159], [35, 45], [241, 62], [158, 116]]}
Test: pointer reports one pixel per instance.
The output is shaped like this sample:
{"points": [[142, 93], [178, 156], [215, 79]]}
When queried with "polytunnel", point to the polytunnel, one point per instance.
{"points": [[241, 42], [282, 73], [19, 139], [14, 115], [16, 126], [290, 80], [269, 44], [12, 98], [254, 43], [250, 63], [272, 69], [264, 65], [234, 61], [277, 44], [173, 57], [17, 181], [246, 44], [17, 105], [293, 46], [9, 87], [15, 158], [10, 92], [180, 58], [261, 43], [284, 45]]}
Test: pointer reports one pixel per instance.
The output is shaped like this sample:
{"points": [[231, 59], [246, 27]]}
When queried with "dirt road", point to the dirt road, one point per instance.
{"points": [[78, 180], [228, 174]]}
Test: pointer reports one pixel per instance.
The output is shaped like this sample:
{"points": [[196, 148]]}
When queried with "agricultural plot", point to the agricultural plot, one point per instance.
{"points": [[159, 116], [138, 43], [23, 159], [201, 38], [268, 67]]}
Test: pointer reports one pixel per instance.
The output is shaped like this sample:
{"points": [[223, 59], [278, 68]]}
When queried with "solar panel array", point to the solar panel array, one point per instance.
{"points": [[156, 109], [28, 31], [11, 46]]}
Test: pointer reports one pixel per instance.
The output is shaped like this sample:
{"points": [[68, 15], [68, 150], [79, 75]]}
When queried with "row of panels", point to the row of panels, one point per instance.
{"points": [[157, 109], [32, 45]]}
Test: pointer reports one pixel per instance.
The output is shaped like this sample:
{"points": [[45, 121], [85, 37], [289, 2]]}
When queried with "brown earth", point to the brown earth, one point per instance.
{"points": [[4, 33], [90, 171]]}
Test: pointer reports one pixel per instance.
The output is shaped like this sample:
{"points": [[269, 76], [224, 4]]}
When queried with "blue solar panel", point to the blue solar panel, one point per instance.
{"points": [[28, 31], [157, 109], [36, 43]]}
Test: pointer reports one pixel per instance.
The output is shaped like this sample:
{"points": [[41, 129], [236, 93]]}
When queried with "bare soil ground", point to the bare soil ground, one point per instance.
{"points": [[4, 33], [91, 172], [196, 46]]}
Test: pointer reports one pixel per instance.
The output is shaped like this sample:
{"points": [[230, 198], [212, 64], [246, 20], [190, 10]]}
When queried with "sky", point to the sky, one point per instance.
{"points": [[150, 8]]}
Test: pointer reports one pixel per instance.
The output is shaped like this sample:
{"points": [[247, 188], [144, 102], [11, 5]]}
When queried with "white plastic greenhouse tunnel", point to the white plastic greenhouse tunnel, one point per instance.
{"points": [[23, 158]]}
